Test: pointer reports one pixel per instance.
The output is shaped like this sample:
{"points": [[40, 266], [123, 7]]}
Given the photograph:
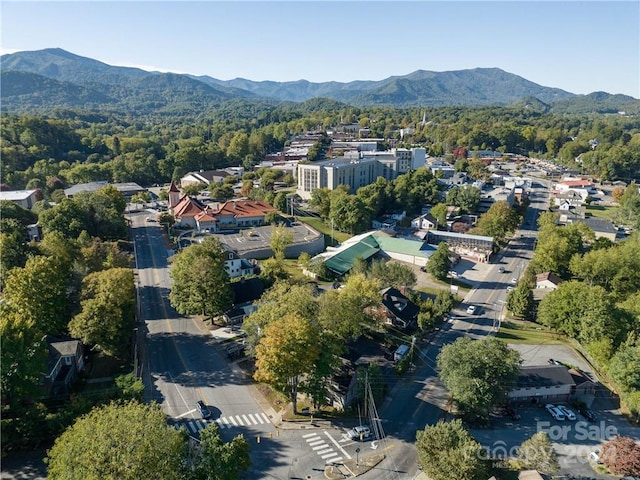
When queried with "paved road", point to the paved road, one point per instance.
{"points": [[181, 362], [420, 398]]}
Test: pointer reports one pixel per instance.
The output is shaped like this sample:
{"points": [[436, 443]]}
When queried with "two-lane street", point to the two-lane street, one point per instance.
{"points": [[420, 398], [181, 363]]}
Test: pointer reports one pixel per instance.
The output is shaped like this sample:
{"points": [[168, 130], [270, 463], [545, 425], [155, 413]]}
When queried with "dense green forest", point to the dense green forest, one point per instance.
{"points": [[72, 147]]}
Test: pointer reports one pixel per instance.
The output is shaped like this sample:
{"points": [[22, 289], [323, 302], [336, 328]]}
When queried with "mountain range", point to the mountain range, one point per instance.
{"points": [[37, 81]]}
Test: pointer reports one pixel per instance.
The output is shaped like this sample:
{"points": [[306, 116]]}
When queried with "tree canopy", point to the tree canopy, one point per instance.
{"points": [[537, 453], [219, 460], [129, 441], [200, 281], [439, 262], [498, 221], [478, 373], [288, 349], [108, 308], [447, 450]]}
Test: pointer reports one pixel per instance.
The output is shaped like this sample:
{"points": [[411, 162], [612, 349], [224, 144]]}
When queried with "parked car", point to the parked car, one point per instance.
{"points": [[595, 456], [509, 288], [568, 413], [512, 412], [588, 414], [500, 269], [235, 349], [554, 411], [203, 409], [471, 309], [360, 432], [551, 361], [514, 280]]}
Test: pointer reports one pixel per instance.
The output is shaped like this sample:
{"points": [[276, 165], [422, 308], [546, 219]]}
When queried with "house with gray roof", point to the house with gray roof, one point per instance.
{"points": [[24, 198]]}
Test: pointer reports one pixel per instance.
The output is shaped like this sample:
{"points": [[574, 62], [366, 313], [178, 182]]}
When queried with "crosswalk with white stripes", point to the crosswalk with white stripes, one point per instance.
{"points": [[319, 445], [230, 421]]}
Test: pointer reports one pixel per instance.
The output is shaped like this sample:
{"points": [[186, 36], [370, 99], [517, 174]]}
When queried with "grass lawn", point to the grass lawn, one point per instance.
{"points": [[599, 211], [518, 331], [325, 229], [295, 272]]}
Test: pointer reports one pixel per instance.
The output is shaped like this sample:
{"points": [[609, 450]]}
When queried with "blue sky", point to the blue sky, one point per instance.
{"points": [[579, 46]]}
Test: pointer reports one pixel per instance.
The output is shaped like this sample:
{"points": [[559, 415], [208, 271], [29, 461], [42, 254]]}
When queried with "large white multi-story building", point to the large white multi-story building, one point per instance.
{"points": [[357, 169]]}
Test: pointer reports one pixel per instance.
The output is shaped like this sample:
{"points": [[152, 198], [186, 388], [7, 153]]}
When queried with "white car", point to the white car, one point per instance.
{"points": [[509, 288], [471, 309], [595, 456], [554, 411], [514, 280], [361, 432], [567, 412]]}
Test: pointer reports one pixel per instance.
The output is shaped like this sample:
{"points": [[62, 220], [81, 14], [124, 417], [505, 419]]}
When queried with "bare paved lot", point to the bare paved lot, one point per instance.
{"points": [[540, 354]]}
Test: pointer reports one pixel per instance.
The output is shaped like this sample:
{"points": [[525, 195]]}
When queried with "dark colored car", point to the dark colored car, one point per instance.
{"points": [[588, 414], [203, 409], [512, 412]]}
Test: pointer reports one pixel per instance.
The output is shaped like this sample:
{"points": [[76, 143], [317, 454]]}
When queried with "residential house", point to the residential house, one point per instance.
{"points": [[601, 227], [388, 222], [65, 361], [543, 384], [396, 309], [425, 222], [547, 280], [206, 221], [342, 387], [236, 266], [247, 290], [24, 198], [209, 177], [34, 232], [569, 198], [571, 215]]}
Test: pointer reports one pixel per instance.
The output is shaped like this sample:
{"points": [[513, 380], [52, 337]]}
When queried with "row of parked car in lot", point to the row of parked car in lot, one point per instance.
{"points": [[560, 412]]}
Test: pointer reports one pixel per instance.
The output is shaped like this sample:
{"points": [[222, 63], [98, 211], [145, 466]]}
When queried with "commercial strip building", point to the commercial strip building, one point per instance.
{"points": [[127, 189]]}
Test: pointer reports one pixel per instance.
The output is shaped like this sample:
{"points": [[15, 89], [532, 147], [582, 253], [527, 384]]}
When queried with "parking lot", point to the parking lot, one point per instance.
{"points": [[256, 239]]}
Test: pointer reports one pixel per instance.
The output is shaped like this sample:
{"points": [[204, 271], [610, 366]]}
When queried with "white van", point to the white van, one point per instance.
{"points": [[400, 353]]}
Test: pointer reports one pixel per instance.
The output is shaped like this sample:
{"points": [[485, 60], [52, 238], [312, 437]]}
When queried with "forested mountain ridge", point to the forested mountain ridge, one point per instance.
{"points": [[478, 86], [136, 91]]}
